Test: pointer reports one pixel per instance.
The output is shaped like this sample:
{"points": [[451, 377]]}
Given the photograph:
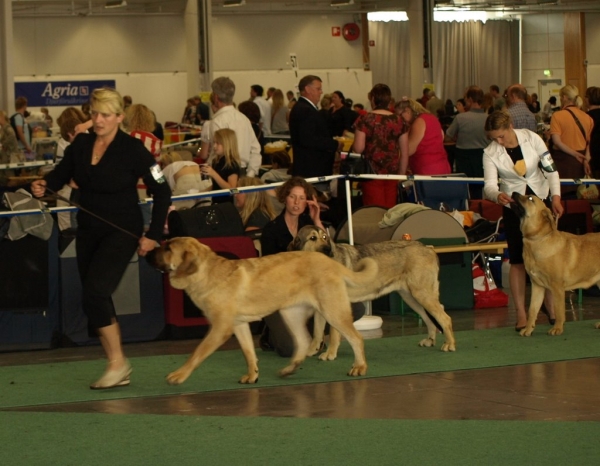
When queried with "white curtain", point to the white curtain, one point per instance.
{"points": [[473, 53], [464, 54], [499, 59], [390, 57], [456, 63]]}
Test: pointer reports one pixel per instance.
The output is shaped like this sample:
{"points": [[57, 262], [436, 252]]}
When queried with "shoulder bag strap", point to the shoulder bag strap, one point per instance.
{"points": [[580, 126]]}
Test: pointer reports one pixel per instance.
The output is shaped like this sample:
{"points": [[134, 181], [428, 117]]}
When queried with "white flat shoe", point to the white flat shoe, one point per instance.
{"points": [[113, 378]]}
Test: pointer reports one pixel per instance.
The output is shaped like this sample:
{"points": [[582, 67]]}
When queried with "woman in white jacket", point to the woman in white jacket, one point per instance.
{"points": [[510, 164]]}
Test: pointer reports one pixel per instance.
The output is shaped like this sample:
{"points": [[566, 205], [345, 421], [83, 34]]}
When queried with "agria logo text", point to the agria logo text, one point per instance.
{"points": [[56, 92]]}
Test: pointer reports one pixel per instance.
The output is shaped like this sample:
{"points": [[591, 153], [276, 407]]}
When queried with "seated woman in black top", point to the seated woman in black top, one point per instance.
{"points": [[301, 209]]}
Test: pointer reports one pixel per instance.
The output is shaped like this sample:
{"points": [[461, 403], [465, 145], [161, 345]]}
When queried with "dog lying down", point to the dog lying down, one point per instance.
{"points": [[408, 267], [555, 260], [232, 293]]}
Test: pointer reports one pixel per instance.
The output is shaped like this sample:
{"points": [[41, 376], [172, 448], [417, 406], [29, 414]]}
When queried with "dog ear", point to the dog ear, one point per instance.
{"points": [[188, 265], [549, 218], [294, 244]]}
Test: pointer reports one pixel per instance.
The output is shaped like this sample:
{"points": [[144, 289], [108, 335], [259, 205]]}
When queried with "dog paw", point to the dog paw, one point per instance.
{"points": [[597, 325], [248, 379], [327, 356], [555, 331], [428, 342], [526, 332], [358, 370], [177, 377], [312, 351], [446, 347], [288, 370]]}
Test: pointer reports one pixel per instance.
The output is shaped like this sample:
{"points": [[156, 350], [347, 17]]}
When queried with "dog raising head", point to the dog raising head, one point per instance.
{"points": [[178, 256], [311, 238], [535, 217]]}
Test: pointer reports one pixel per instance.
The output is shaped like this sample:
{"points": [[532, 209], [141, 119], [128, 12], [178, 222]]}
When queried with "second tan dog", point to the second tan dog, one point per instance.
{"points": [[555, 260], [232, 293], [408, 267]]}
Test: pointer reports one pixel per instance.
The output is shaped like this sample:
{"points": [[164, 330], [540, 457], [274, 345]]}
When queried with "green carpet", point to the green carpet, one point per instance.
{"points": [[68, 382], [43, 439]]}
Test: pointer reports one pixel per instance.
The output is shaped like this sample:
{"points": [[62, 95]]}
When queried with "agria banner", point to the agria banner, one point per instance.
{"points": [[58, 93]]}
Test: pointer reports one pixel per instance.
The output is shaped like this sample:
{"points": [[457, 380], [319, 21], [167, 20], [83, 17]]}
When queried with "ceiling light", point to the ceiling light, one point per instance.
{"points": [[342, 2], [115, 4], [230, 3]]}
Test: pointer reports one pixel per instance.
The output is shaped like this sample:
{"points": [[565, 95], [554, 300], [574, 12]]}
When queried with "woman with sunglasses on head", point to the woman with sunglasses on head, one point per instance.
{"points": [[106, 166], [513, 157]]}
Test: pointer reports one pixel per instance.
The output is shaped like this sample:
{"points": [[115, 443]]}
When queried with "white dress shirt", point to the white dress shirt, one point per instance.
{"points": [[500, 176], [248, 145], [265, 114]]}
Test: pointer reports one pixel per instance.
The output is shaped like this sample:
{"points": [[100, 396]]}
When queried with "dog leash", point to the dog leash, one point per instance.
{"points": [[74, 204]]}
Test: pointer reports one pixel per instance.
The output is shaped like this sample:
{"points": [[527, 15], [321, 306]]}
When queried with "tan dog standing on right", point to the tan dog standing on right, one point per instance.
{"points": [[408, 267], [555, 260]]}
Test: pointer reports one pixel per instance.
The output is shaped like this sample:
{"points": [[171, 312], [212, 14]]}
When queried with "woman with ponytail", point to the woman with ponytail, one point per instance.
{"points": [[570, 130]]}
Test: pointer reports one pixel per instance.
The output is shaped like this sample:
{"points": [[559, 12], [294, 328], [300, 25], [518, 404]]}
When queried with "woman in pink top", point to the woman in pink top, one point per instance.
{"points": [[425, 140]]}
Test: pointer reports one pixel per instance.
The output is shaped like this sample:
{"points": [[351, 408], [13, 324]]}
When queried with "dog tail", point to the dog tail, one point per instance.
{"points": [[360, 280]]}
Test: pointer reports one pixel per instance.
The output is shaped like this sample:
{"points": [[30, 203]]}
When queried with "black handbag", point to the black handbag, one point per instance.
{"points": [[356, 166], [206, 222]]}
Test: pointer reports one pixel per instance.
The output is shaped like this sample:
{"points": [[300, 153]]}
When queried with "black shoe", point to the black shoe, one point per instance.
{"points": [[550, 319]]}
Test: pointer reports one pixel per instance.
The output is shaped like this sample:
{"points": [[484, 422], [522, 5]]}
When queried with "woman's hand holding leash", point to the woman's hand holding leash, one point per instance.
{"points": [[38, 188], [145, 246], [557, 207]]}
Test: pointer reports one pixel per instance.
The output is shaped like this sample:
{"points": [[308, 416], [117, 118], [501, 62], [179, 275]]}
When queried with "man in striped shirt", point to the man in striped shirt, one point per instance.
{"points": [[516, 99]]}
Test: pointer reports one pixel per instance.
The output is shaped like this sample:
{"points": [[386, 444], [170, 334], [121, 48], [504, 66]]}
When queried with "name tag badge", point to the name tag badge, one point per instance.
{"points": [[157, 173]]}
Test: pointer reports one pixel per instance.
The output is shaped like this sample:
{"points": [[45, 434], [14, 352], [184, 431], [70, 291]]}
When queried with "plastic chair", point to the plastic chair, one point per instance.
{"points": [[433, 194]]}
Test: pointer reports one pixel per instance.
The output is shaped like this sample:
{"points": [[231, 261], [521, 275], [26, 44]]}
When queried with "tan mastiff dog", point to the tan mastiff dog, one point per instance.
{"points": [[232, 293], [555, 260], [408, 267]]}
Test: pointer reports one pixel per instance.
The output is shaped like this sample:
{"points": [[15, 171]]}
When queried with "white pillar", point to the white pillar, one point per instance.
{"points": [[197, 20], [7, 87]]}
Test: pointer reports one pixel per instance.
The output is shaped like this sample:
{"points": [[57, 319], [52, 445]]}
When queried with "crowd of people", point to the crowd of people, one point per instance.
{"points": [[107, 148]]}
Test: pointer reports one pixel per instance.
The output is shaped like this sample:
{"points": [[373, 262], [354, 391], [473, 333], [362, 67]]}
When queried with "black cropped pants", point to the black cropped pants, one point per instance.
{"points": [[103, 254]]}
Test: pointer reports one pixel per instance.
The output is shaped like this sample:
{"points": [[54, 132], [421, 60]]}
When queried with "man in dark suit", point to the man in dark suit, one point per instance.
{"points": [[314, 147]]}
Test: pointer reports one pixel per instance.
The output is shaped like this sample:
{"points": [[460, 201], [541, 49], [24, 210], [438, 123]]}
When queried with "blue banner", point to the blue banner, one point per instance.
{"points": [[59, 93]]}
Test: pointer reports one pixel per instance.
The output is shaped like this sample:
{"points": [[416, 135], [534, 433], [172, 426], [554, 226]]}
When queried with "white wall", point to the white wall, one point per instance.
{"points": [[88, 45], [146, 56], [542, 48], [265, 42]]}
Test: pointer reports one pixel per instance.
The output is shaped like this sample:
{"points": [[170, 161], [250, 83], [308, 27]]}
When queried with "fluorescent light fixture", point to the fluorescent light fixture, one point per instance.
{"points": [[387, 16], [342, 2], [230, 3], [115, 4], [460, 16]]}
